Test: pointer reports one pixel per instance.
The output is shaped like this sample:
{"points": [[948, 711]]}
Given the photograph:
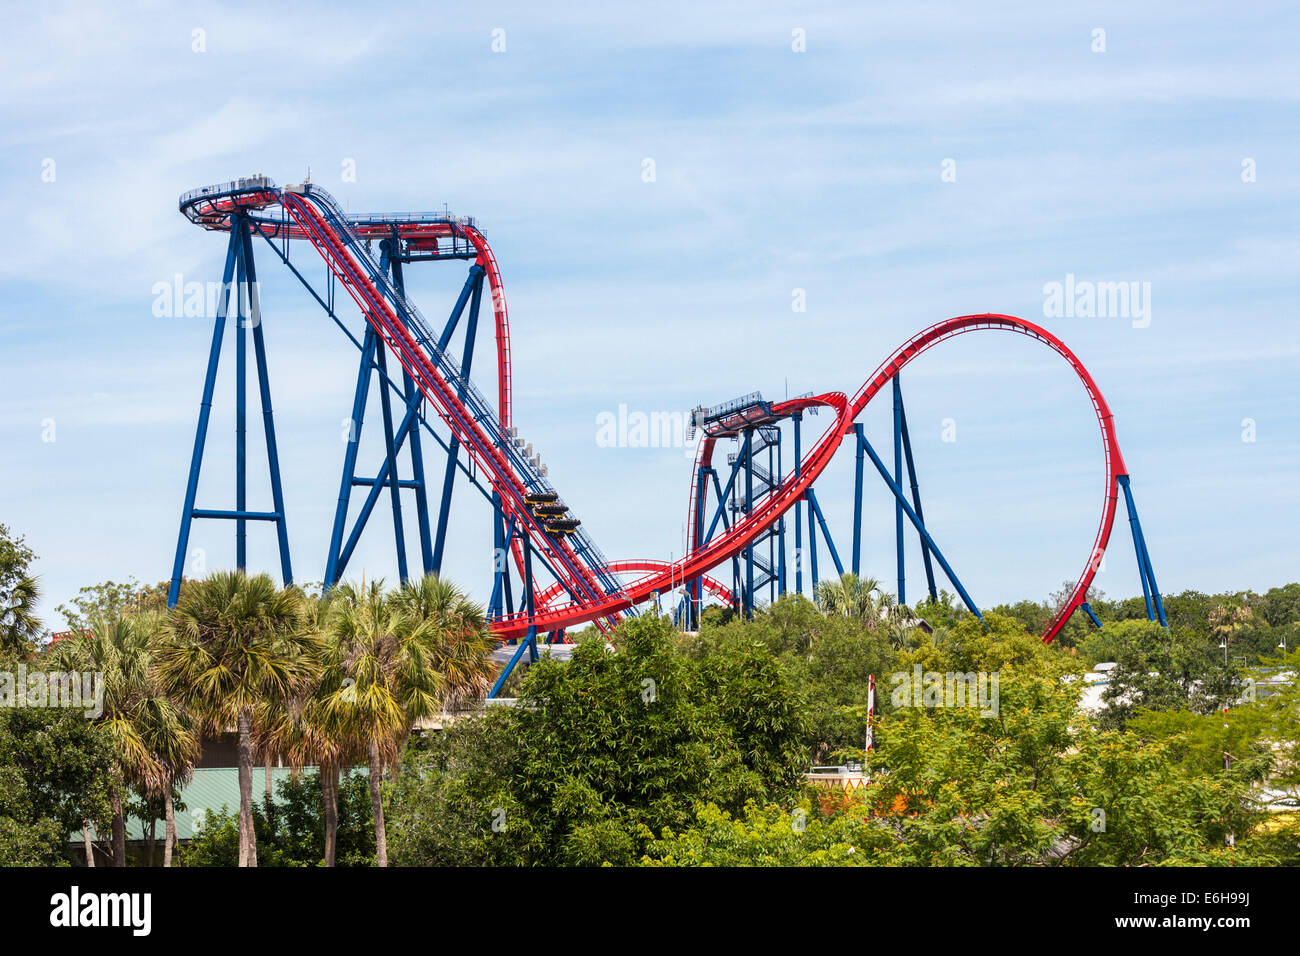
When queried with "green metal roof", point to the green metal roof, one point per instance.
{"points": [[209, 790]]}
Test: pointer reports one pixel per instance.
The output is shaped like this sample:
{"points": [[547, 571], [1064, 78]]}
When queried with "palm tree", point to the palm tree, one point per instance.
{"points": [[171, 733], [458, 633], [235, 642], [898, 618], [299, 729], [379, 677], [119, 652], [852, 596], [19, 625]]}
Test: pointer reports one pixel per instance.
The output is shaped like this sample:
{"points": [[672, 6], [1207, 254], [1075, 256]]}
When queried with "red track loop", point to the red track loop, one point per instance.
{"points": [[815, 462]]}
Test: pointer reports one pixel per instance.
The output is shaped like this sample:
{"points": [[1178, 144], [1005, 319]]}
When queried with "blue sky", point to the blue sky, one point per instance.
{"points": [[776, 170]]}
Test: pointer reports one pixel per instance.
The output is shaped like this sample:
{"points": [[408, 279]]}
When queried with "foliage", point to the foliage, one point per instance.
{"points": [[292, 831], [53, 768], [605, 750], [19, 626], [111, 599], [769, 836], [1160, 669], [234, 641]]}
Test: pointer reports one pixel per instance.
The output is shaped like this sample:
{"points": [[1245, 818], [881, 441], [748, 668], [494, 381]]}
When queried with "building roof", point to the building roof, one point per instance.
{"points": [[209, 790]]}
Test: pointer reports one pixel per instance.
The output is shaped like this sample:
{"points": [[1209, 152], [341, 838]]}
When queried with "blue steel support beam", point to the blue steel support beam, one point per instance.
{"points": [[471, 281], [749, 504], [390, 450], [717, 488], [920, 527], [506, 586], [268, 417], [916, 503], [237, 227], [1137, 547], [813, 506], [857, 503], [500, 562], [898, 480], [1087, 609], [1143, 556], [205, 413], [771, 535], [377, 486], [812, 543], [449, 477], [798, 507], [530, 639], [403, 483], [723, 496], [335, 562], [781, 579], [413, 397], [238, 515], [390, 458]]}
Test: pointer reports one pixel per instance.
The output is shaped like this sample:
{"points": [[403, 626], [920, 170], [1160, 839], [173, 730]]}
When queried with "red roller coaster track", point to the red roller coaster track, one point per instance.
{"points": [[311, 214]]}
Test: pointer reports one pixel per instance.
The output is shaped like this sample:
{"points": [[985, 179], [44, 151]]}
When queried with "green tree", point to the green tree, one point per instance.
{"points": [[379, 677], [110, 599], [770, 836], [459, 643], [604, 750], [234, 642], [54, 766], [456, 802], [119, 652], [293, 832], [851, 596], [1160, 669], [19, 592]]}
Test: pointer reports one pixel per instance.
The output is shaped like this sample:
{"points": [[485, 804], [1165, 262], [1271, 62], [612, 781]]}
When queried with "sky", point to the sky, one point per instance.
{"points": [[886, 166]]}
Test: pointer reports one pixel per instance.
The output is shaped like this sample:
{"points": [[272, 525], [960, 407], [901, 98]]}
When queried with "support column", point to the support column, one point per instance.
{"points": [[920, 527], [1150, 591], [205, 413], [916, 501], [449, 475], [780, 473], [898, 480], [239, 283], [798, 506], [335, 562], [241, 397], [814, 507], [749, 506], [268, 417], [857, 503], [529, 641]]}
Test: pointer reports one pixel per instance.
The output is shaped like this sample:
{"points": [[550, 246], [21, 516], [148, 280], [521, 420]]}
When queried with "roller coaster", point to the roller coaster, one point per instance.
{"points": [[740, 523]]}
